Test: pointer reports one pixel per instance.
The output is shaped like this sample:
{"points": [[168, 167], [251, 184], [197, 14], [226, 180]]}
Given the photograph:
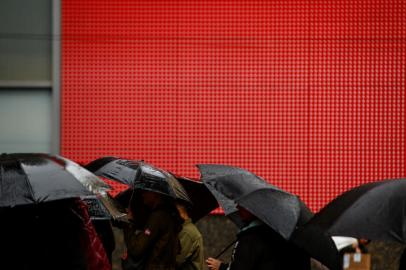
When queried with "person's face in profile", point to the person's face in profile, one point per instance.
{"points": [[363, 241]]}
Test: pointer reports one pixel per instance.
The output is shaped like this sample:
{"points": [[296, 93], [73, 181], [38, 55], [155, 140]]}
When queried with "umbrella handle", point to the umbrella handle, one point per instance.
{"points": [[225, 249]]}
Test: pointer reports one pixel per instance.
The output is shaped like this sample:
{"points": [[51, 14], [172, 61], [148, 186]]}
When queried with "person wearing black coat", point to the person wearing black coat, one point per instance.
{"points": [[402, 260], [259, 247]]}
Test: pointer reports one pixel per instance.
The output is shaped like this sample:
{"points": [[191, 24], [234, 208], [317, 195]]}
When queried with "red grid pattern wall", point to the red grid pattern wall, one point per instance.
{"points": [[308, 94]]}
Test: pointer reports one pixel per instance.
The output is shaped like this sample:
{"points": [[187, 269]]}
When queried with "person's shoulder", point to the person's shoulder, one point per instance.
{"points": [[260, 233], [251, 234], [191, 230], [188, 224]]}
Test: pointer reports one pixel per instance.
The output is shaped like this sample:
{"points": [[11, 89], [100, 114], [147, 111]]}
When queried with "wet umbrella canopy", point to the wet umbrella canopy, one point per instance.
{"points": [[318, 245], [277, 208], [138, 174], [229, 206], [373, 211], [35, 178]]}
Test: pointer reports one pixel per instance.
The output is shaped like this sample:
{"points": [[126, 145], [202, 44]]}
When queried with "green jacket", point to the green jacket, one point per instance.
{"points": [[191, 256], [157, 242]]}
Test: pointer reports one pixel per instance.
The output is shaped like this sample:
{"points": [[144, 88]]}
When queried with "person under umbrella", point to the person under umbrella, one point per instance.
{"points": [[152, 240], [260, 247], [191, 255], [282, 211], [262, 241], [192, 197]]}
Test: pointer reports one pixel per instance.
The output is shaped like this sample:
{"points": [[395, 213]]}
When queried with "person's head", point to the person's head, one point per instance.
{"points": [[151, 199], [245, 215], [182, 209], [363, 241]]}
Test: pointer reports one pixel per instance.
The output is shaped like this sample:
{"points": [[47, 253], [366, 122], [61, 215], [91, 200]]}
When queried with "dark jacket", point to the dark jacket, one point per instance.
{"points": [[402, 261], [105, 232], [157, 243], [49, 236], [261, 248]]}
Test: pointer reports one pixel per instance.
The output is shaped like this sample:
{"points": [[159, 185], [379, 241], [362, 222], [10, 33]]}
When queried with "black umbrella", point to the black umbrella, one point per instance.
{"points": [[138, 174], [229, 206], [277, 208], [305, 213], [35, 178], [316, 242], [318, 245], [373, 211], [203, 201], [231, 185]]}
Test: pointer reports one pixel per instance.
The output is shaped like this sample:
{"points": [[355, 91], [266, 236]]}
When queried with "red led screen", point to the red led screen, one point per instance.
{"points": [[308, 94]]}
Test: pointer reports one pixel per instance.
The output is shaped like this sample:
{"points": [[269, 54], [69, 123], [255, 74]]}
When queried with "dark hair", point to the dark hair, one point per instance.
{"points": [[186, 204], [170, 205]]}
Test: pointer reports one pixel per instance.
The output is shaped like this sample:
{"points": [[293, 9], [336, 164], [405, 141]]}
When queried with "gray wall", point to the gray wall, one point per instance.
{"points": [[28, 118], [25, 120], [25, 40]]}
